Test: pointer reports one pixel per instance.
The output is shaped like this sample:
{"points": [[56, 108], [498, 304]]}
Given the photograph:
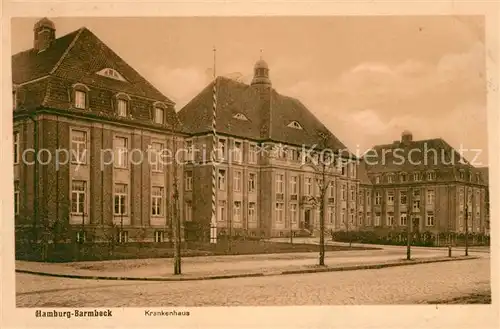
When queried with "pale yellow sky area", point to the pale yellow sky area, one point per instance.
{"points": [[367, 78]]}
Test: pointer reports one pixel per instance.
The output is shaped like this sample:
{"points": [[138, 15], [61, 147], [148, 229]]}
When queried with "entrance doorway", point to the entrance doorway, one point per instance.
{"points": [[307, 219]]}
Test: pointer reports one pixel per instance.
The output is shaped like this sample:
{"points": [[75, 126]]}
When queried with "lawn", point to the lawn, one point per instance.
{"points": [[98, 251]]}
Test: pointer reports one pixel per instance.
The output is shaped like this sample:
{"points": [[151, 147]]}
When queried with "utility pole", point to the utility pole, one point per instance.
{"points": [[176, 218]]}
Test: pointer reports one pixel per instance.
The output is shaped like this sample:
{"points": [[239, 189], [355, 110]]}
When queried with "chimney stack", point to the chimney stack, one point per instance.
{"points": [[44, 34], [406, 137]]}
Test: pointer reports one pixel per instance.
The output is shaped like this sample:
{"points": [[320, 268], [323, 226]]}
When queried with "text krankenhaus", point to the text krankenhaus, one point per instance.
{"points": [[74, 313]]}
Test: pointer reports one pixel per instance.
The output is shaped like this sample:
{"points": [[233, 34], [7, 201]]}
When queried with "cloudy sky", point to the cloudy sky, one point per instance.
{"points": [[366, 78]]}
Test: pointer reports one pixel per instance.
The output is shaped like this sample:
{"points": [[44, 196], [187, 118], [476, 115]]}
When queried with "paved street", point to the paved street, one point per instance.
{"points": [[397, 285], [221, 265]]}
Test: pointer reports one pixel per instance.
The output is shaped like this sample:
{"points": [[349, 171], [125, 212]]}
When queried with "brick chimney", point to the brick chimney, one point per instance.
{"points": [[406, 137], [44, 34]]}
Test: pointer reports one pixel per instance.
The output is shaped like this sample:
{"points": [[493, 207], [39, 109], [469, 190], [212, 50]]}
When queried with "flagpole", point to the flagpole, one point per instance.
{"points": [[213, 222]]}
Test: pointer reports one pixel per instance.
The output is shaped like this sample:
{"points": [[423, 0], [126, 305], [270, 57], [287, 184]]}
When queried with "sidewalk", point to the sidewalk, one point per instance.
{"points": [[315, 240], [215, 267]]}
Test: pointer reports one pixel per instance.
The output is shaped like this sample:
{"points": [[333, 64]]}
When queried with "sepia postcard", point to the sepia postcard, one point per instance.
{"points": [[253, 165]]}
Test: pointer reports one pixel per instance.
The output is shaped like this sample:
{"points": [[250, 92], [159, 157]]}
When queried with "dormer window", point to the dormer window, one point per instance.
{"points": [[122, 105], [159, 116], [403, 177], [462, 174], [377, 179], [295, 125], [111, 73], [80, 96], [240, 116]]}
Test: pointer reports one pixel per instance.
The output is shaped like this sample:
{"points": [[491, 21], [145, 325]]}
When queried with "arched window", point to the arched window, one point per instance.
{"points": [[80, 96], [295, 125]]}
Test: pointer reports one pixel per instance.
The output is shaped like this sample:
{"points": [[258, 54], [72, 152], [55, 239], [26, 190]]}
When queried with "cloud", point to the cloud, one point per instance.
{"points": [[180, 84]]}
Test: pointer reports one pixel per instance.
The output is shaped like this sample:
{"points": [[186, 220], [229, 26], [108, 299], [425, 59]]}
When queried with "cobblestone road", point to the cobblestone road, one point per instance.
{"points": [[397, 285]]}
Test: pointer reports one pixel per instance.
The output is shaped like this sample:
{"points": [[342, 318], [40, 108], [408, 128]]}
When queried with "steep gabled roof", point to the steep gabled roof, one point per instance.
{"points": [[29, 65], [267, 120], [78, 56]]}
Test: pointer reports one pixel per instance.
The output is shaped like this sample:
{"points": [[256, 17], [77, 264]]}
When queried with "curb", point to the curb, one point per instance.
{"points": [[247, 275]]}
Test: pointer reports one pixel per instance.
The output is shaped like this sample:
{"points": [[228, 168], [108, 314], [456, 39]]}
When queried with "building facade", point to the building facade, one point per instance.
{"points": [[88, 117], [89, 131], [426, 182]]}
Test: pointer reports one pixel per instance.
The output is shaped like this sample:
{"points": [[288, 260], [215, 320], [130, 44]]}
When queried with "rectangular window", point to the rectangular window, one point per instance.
{"points": [[159, 115], [390, 220], [237, 181], [80, 99], [431, 176], [343, 192], [430, 219], [252, 179], [308, 186], [122, 107], [462, 175], [221, 151], [120, 199], [293, 213], [221, 211], [431, 197], [238, 152], [78, 146], [293, 185], [156, 157], [16, 198], [279, 183], [403, 177], [416, 205], [159, 236], [189, 151], [390, 197], [331, 190], [237, 211], [360, 219], [353, 194], [317, 187], [368, 219], [16, 147], [402, 219], [251, 212], [331, 215], [368, 198], [221, 180], [252, 153], [122, 237], [377, 180], [121, 152], [390, 179], [377, 220], [279, 211], [360, 198], [416, 193], [342, 216], [78, 196], [416, 176], [81, 236], [188, 180], [402, 197], [156, 200], [378, 198], [189, 212]]}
